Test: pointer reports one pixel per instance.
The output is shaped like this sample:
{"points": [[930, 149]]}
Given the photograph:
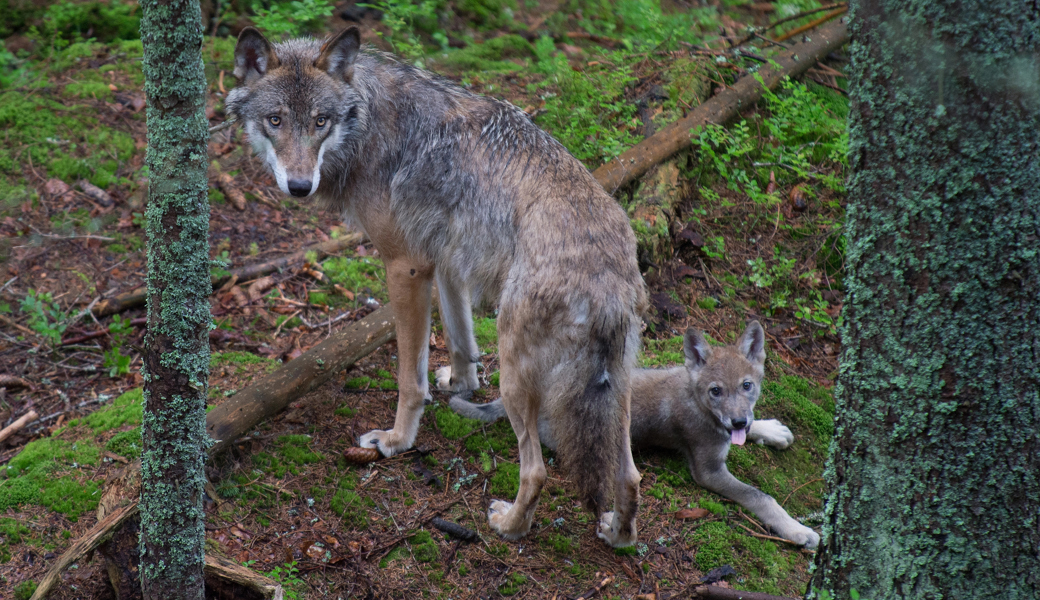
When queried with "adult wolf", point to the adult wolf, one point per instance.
{"points": [[701, 408], [466, 190]]}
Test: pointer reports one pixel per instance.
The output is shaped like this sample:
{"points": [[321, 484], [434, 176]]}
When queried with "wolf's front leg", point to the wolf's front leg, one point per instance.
{"points": [[714, 476], [409, 288], [457, 318]]}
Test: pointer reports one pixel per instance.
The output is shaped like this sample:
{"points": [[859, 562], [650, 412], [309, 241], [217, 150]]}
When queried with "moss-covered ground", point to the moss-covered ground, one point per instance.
{"points": [[746, 224]]}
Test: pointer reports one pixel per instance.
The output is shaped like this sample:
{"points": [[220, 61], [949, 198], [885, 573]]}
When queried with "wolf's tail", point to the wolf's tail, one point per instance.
{"points": [[492, 411], [588, 416]]}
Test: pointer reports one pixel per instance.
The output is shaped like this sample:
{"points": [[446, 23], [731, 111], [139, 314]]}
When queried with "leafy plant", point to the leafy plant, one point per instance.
{"points": [[404, 18], [288, 576], [117, 363], [45, 316], [765, 274], [294, 18]]}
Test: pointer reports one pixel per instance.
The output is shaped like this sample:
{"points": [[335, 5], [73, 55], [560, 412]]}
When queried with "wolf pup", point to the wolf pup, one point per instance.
{"points": [[466, 190], [701, 408]]}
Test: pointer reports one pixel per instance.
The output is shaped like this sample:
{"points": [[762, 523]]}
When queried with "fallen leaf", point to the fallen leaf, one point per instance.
{"points": [[55, 188], [692, 513]]}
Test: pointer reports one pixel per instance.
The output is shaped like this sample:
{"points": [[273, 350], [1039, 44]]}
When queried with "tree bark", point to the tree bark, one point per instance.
{"points": [[176, 358], [934, 477]]}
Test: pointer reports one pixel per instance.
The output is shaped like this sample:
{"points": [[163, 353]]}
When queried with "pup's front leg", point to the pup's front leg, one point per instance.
{"points": [[408, 284]]}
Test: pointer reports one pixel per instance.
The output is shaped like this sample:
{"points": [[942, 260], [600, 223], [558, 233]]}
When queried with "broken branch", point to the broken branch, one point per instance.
{"points": [[22, 421]]}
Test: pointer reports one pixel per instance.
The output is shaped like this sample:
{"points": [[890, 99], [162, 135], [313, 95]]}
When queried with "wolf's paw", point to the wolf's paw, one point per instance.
{"points": [[498, 518], [386, 441], [771, 433], [806, 537], [443, 376], [609, 532]]}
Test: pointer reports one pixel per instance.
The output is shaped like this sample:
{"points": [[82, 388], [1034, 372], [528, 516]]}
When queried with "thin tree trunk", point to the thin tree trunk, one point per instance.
{"points": [[176, 360], [934, 478]]}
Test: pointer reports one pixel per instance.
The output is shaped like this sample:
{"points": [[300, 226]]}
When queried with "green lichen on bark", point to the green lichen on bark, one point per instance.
{"points": [[934, 476], [177, 356]]}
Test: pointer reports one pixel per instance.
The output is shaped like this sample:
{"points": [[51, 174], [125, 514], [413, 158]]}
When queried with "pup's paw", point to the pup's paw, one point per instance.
{"points": [[805, 537], [386, 441], [771, 433], [498, 518], [608, 532], [443, 375]]}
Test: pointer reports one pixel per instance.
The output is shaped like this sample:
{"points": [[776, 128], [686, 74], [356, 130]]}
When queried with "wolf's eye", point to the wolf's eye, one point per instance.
{"points": [[747, 385], [716, 391], [320, 121], [275, 120]]}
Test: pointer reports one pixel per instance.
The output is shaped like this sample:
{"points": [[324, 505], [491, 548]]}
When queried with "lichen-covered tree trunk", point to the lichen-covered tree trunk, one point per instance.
{"points": [[176, 363], [934, 476]]}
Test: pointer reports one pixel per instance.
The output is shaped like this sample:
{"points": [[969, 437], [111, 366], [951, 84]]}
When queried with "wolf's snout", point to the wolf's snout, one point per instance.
{"points": [[739, 423], [300, 187]]}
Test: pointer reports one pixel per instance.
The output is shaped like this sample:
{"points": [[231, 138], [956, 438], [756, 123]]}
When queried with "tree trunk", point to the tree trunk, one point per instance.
{"points": [[934, 477], [176, 360]]}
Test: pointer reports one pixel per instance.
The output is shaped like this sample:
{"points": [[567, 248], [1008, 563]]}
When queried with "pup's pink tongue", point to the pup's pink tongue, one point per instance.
{"points": [[738, 436]]}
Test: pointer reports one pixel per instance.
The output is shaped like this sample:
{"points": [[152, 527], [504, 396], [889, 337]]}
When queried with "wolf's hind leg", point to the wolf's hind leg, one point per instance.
{"points": [[618, 528], [409, 288], [457, 318], [513, 520]]}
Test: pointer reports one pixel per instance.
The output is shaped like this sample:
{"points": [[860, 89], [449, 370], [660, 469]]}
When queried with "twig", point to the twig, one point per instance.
{"points": [[595, 590], [5, 320], [798, 488], [22, 421], [228, 123], [767, 537], [811, 24], [9, 282]]}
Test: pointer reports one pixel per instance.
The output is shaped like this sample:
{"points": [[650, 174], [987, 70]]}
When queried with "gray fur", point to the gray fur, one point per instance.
{"points": [[674, 408], [466, 189]]}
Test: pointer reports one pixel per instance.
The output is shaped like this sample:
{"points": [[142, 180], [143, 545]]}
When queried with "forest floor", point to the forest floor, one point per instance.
{"points": [[746, 224]]}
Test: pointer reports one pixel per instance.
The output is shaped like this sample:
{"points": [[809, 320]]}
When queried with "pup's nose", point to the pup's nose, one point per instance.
{"points": [[739, 423], [299, 187]]}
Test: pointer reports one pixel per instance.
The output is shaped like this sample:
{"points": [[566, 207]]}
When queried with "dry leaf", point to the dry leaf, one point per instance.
{"points": [[692, 513]]}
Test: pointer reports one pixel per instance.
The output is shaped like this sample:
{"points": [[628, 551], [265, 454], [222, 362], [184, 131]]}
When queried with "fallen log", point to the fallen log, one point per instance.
{"points": [[22, 421], [636, 161], [242, 412], [111, 306]]}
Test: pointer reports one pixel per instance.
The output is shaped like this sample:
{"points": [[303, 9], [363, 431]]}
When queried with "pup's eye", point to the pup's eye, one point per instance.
{"points": [[275, 120], [747, 385], [320, 121], [716, 391]]}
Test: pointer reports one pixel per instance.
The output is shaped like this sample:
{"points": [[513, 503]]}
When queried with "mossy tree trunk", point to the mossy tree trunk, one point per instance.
{"points": [[934, 475], [176, 363]]}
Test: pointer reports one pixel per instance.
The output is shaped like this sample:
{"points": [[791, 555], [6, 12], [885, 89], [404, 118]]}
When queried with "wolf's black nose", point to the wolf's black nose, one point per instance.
{"points": [[299, 187], [739, 423]]}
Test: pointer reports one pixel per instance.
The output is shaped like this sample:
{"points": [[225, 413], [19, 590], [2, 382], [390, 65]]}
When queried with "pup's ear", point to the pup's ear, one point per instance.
{"points": [[696, 349], [253, 56], [752, 343], [338, 54]]}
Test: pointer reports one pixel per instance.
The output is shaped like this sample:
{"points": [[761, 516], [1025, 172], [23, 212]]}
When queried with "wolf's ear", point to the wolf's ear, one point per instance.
{"points": [[338, 54], [752, 343], [253, 56], [696, 349]]}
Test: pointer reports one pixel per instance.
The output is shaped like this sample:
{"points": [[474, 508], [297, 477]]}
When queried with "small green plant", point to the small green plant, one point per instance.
{"points": [[45, 316], [765, 274], [294, 18], [404, 18], [289, 576], [117, 363], [24, 590]]}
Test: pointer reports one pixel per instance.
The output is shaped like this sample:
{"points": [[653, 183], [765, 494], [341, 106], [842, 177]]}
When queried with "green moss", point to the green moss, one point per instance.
{"points": [[513, 584], [489, 56], [398, 553], [89, 89], [345, 411], [24, 590], [126, 444], [124, 410], [424, 548], [452, 425], [485, 329], [494, 379], [500, 550], [559, 543], [660, 491], [486, 14], [497, 438], [11, 532], [505, 483], [216, 196], [714, 507], [803, 404], [241, 360], [350, 506], [47, 473], [358, 275], [662, 353], [292, 452]]}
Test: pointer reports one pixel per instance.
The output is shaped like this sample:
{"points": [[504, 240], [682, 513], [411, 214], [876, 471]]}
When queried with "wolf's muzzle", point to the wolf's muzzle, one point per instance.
{"points": [[299, 187]]}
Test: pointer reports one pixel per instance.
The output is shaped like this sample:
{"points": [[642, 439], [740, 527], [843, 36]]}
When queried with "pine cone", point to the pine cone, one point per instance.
{"points": [[361, 456]]}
